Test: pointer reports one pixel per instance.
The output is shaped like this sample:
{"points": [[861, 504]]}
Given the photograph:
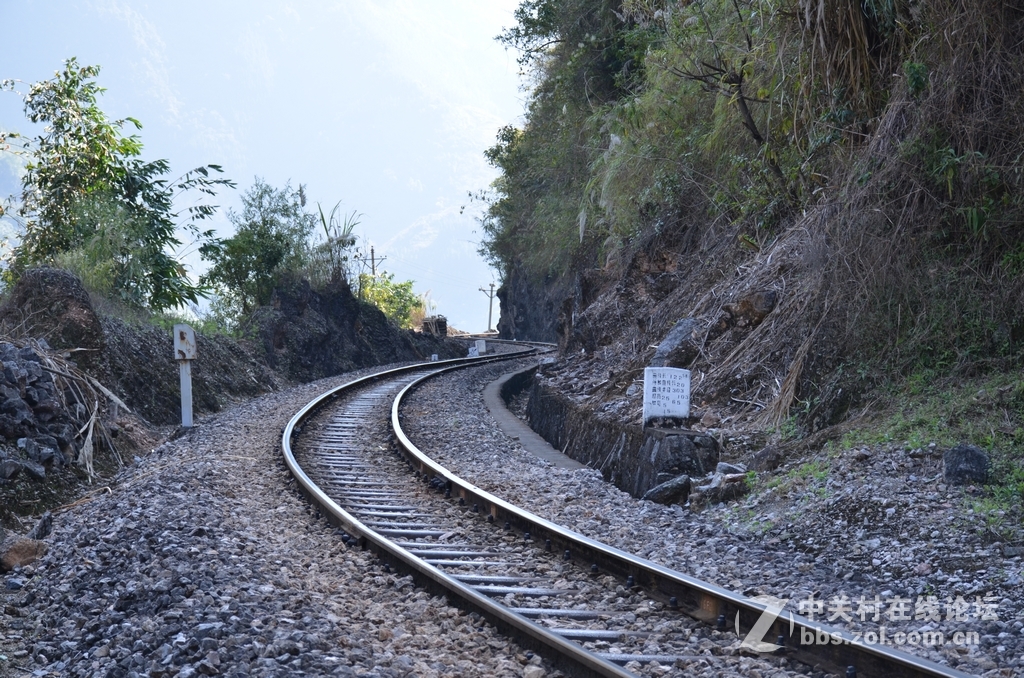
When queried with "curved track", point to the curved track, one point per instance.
{"points": [[539, 582]]}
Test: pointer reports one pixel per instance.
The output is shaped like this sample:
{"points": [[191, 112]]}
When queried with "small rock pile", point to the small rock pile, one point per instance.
{"points": [[38, 431], [726, 483]]}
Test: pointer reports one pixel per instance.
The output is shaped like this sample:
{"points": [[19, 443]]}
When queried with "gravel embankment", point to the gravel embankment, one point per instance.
{"points": [[202, 559], [882, 526]]}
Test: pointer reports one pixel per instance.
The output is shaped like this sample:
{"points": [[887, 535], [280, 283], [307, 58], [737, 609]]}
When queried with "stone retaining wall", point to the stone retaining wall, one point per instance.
{"points": [[607, 446], [630, 457]]}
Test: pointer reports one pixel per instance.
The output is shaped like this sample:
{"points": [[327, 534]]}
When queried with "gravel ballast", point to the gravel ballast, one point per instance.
{"points": [[202, 559]]}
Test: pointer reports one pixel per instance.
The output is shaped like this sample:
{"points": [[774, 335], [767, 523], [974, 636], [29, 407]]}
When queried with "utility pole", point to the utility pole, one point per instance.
{"points": [[490, 304], [373, 260]]}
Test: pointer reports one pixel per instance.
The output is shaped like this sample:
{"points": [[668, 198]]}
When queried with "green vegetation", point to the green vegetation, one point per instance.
{"points": [[395, 299], [90, 204], [984, 411], [277, 238], [715, 124], [811, 475], [271, 239]]}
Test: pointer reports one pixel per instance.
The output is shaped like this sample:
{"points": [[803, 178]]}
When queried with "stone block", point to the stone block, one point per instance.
{"points": [[965, 464], [674, 491], [675, 452]]}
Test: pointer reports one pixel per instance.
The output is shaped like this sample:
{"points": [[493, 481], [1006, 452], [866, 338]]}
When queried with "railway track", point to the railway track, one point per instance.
{"points": [[588, 608]]}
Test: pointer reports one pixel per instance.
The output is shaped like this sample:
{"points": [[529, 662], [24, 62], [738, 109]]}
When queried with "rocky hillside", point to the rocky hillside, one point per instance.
{"points": [[819, 239]]}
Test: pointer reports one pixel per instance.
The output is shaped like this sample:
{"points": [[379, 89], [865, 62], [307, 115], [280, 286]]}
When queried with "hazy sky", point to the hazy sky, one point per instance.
{"points": [[386, 105]]}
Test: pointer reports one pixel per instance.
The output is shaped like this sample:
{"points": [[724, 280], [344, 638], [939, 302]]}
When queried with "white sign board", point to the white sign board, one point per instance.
{"points": [[666, 392], [433, 357], [184, 352], [474, 352], [184, 343], [481, 346]]}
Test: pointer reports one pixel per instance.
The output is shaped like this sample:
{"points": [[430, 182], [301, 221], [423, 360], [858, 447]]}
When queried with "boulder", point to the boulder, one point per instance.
{"points": [[965, 464], [679, 347], [676, 452], [744, 314], [9, 469], [675, 491], [729, 469], [750, 310], [724, 487], [768, 459], [34, 469], [42, 527], [19, 552]]}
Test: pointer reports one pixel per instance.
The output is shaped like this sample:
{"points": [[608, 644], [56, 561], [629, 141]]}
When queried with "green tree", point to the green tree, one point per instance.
{"points": [[395, 299], [330, 258], [86, 188], [272, 235]]}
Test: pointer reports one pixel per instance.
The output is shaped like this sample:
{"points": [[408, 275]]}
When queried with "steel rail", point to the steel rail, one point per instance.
{"points": [[840, 652], [514, 342], [569, 657], [701, 600]]}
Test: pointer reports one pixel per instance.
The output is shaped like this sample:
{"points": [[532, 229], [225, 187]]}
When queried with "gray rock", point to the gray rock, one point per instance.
{"points": [[43, 455], [32, 369], [29, 354], [674, 491], [678, 348], [34, 469], [768, 459], [674, 452], [17, 408], [42, 527], [724, 488], [9, 469], [209, 630], [965, 464], [727, 468]]}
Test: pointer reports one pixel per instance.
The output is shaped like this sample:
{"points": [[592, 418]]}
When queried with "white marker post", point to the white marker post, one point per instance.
{"points": [[481, 346], [185, 353], [666, 393], [474, 352]]}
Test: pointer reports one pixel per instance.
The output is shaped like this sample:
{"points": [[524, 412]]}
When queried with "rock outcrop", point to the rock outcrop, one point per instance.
{"points": [[33, 419], [308, 335]]}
